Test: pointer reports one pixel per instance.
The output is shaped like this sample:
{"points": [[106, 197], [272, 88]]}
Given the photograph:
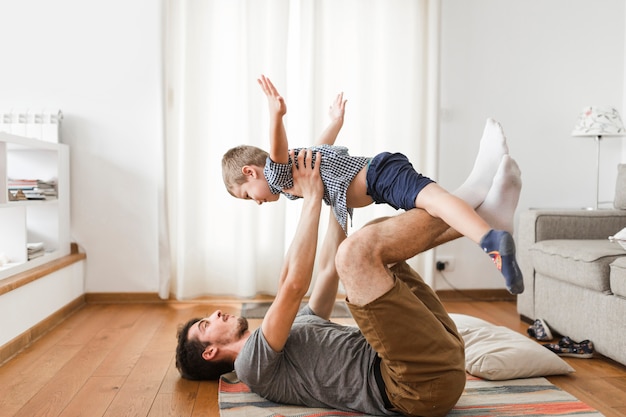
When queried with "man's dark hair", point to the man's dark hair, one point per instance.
{"points": [[189, 360]]}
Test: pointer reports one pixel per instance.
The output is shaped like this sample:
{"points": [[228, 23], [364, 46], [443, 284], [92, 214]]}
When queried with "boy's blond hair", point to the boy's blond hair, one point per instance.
{"points": [[235, 159]]}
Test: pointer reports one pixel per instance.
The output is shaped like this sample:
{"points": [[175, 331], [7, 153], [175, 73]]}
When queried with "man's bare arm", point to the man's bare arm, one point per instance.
{"points": [[297, 269], [324, 293]]}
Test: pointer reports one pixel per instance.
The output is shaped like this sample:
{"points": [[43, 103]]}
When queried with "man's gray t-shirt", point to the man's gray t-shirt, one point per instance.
{"points": [[323, 364]]}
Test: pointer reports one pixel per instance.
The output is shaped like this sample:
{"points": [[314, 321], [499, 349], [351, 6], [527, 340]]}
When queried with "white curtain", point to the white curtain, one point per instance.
{"points": [[381, 53]]}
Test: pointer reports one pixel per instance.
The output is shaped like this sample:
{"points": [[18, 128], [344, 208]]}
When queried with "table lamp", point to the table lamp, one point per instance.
{"points": [[597, 122]]}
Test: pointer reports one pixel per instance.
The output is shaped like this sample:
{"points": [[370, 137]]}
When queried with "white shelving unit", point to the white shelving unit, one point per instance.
{"points": [[33, 221]]}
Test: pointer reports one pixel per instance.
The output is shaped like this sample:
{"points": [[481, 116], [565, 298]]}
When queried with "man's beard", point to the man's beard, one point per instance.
{"points": [[242, 326]]}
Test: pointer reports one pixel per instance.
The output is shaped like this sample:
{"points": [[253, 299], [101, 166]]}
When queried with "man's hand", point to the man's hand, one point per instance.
{"points": [[307, 181], [275, 101]]}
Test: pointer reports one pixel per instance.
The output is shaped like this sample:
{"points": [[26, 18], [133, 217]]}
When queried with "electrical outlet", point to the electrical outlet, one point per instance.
{"points": [[446, 261]]}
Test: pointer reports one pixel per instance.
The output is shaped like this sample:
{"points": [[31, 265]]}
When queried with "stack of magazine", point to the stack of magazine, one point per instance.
{"points": [[20, 189], [35, 250]]}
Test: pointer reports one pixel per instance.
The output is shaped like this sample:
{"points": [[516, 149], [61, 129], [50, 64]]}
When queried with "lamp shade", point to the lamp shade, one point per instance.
{"points": [[599, 121]]}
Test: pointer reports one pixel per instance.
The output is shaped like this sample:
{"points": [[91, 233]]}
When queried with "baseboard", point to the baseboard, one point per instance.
{"points": [[476, 295], [147, 297], [526, 319], [122, 297], [10, 349], [150, 297]]}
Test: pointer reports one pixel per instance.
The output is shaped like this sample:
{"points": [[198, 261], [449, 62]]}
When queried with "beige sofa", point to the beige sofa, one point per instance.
{"points": [[574, 277]]}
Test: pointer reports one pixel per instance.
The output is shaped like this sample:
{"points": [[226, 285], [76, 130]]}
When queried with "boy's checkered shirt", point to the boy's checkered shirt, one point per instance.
{"points": [[338, 169]]}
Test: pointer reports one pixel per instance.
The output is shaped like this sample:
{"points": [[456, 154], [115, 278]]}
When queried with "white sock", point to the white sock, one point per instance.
{"points": [[490, 152], [499, 206]]}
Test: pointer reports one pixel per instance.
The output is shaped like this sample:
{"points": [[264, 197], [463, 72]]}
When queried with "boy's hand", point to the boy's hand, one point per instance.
{"points": [[275, 101], [306, 174], [336, 112], [337, 108]]}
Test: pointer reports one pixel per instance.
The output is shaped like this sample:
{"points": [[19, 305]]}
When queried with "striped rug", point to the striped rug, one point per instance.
{"points": [[518, 397]]}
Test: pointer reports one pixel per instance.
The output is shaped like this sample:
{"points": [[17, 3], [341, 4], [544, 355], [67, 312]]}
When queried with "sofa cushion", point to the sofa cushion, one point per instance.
{"points": [[580, 262], [618, 277]]}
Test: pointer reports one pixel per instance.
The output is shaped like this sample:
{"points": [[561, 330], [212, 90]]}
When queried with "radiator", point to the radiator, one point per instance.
{"points": [[42, 125]]}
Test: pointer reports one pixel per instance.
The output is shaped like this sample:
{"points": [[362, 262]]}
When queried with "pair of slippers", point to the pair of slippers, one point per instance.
{"points": [[565, 347]]}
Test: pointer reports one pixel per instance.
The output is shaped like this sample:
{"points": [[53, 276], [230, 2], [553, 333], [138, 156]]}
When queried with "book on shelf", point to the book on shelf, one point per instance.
{"points": [[35, 250], [25, 189]]}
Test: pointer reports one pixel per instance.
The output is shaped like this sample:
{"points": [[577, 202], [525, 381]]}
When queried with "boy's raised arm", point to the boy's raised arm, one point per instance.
{"points": [[336, 112], [279, 147]]}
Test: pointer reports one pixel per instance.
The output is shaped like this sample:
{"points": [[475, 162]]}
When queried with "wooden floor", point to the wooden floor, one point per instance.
{"points": [[118, 360]]}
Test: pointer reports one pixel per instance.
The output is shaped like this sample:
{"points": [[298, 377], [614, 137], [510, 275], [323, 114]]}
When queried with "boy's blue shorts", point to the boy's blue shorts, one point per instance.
{"points": [[392, 179]]}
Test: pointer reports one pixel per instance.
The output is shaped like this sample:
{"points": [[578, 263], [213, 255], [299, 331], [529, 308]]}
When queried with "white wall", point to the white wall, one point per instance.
{"points": [[532, 65], [100, 63]]}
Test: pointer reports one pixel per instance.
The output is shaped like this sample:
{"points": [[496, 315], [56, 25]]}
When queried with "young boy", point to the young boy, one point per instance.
{"points": [[351, 182]]}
